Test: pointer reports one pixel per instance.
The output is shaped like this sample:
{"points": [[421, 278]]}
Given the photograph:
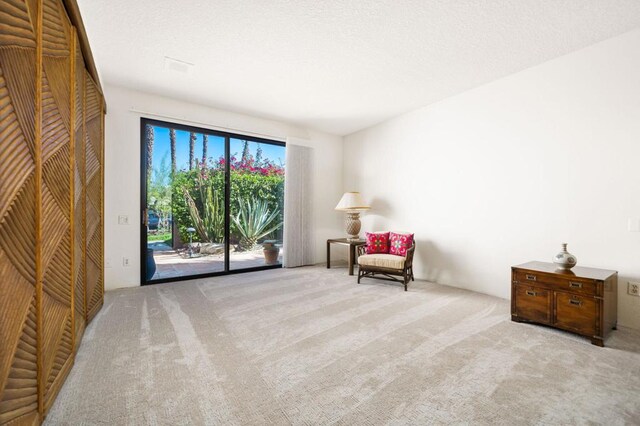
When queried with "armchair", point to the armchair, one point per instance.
{"points": [[387, 265]]}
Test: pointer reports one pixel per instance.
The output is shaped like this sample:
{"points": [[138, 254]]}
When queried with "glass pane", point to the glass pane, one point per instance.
{"points": [[185, 203], [256, 203]]}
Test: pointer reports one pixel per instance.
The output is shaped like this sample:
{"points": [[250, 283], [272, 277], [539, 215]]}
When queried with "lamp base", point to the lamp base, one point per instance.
{"points": [[353, 226]]}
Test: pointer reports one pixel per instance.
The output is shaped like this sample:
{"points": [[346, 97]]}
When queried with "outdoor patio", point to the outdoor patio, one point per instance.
{"points": [[172, 263]]}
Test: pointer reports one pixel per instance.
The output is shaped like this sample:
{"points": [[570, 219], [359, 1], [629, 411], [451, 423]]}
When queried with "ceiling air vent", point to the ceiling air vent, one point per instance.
{"points": [[177, 65]]}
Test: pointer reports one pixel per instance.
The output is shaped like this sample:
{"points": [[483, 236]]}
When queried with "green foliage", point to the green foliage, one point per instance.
{"points": [[207, 216], [245, 185], [184, 180], [159, 194], [254, 220], [164, 237]]}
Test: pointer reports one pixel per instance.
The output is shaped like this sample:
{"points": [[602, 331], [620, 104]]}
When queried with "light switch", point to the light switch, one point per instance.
{"points": [[123, 219], [633, 225]]}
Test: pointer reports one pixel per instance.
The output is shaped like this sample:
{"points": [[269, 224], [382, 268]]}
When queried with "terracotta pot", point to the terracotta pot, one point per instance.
{"points": [[270, 252]]}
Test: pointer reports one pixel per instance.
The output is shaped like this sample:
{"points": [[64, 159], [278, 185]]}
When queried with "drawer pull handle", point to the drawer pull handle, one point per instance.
{"points": [[575, 302], [530, 277], [573, 284], [531, 293]]}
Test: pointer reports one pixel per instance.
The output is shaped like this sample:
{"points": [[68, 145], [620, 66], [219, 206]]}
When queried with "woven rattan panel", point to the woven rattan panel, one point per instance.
{"points": [[50, 204], [18, 186], [93, 198], [79, 197], [57, 331]]}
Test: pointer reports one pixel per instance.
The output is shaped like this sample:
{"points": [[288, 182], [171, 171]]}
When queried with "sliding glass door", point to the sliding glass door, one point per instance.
{"points": [[211, 204], [257, 203]]}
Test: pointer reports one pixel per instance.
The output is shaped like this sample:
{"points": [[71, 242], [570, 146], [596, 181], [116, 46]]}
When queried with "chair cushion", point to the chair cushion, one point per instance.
{"points": [[377, 242], [382, 260], [400, 243]]}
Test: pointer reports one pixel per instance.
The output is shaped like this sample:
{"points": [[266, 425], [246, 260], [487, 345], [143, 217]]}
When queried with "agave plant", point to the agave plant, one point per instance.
{"points": [[253, 221]]}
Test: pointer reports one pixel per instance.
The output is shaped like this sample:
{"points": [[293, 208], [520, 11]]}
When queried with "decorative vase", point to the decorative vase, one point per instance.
{"points": [[353, 225], [564, 259], [151, 264], [270, 252]]}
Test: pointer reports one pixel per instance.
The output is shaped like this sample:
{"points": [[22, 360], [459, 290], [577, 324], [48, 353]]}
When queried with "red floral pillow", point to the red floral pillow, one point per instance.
{"points": [[377, 242], [400, 243]]}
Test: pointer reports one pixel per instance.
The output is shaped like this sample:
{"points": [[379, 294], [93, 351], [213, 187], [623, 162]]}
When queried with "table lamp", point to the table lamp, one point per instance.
{"points": [[352, 204]]}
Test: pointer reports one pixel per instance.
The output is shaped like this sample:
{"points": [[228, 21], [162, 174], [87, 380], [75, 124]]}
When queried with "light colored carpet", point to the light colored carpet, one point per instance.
{"points": [[310, 346]]}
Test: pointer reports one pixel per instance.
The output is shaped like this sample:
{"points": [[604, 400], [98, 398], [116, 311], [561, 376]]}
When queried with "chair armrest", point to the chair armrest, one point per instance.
{"points": [[409, 259], [360, 250]]}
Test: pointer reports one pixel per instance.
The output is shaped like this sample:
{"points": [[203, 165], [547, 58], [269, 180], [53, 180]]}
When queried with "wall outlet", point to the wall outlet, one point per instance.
{"points": [[633, 288], [125, 261], [123, 219]]}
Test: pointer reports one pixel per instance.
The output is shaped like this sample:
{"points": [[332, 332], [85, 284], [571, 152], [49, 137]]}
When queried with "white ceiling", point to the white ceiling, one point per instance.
{"points": [[336, 65]]}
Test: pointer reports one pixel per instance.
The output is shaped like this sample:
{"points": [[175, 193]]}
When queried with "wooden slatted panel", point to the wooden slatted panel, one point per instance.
{"points": [[79, 196], [94, 198], [20, 393], [45, 140], [56, 30], [18, 305], [56, 304], [18, 24]]}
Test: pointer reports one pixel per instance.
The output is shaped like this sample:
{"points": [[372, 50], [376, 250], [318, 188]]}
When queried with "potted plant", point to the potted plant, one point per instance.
{"points": [[253, 221], [270, 251]]}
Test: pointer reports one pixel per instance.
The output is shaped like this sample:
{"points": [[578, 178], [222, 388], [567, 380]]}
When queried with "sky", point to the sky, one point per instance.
{"points": [[215, 149]]}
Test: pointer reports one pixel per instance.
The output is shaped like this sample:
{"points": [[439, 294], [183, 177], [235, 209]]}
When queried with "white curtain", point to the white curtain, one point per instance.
{"points": [[298, 244]]}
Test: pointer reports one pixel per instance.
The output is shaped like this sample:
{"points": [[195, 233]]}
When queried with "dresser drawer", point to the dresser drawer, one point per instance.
{"points": [[580, 286], [576, 313], [533, 303]]}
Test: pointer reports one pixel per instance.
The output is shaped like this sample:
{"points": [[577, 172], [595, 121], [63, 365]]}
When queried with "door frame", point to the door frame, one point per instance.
{"points": [[227, 194]]}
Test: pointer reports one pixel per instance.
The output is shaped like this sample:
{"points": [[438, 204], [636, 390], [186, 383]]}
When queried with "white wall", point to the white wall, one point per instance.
{"points": [[504, 173], [122, 170]]}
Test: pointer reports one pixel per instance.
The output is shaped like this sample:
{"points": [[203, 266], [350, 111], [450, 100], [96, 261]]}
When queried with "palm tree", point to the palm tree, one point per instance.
{"points": [[175, 235], [245, 153], [259, 156], [192, 147], [149, 136], [172, 138], [205, 147]]}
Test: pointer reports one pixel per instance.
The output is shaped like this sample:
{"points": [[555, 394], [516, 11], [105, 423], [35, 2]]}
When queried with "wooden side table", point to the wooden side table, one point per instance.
{"points": [[352, 250]]}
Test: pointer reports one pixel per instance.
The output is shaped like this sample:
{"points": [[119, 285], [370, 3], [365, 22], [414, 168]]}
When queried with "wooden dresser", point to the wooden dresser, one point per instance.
{"points": [[583, 300]]}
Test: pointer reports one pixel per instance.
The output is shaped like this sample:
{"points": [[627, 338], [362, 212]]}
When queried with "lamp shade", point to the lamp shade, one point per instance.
{"points": [[352, 201]]}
